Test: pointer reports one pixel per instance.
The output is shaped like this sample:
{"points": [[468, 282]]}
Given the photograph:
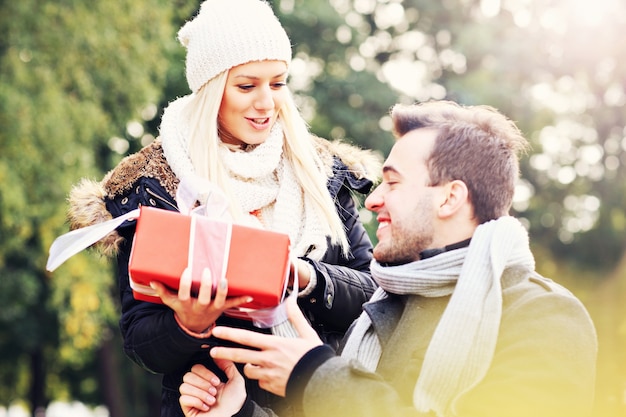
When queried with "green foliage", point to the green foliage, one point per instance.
{"points": [[340, 103], [73, 74]]}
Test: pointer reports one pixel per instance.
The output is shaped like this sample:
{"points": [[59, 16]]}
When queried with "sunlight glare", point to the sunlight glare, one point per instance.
{"points": [[490, 8], [592, 13]]}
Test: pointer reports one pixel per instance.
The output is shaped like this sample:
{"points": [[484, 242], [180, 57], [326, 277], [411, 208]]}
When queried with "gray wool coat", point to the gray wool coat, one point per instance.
{"points": [[544, 364]]}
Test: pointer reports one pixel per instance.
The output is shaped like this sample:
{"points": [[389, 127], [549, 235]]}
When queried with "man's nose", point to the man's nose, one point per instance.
{"points": [[374, 201]]}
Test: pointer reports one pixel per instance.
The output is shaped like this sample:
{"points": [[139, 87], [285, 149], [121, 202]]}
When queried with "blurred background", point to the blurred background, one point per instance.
{"points": [[83, 83]]}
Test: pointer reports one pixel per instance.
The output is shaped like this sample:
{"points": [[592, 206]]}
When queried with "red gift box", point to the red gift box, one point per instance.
{"points": [[255, 261]]}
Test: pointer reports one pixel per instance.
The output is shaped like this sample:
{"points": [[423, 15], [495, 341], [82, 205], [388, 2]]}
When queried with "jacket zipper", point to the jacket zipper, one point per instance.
{"points": [[155, 195]]}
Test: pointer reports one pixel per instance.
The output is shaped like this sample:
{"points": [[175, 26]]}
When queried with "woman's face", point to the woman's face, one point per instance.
{"points": [[253, 95]]}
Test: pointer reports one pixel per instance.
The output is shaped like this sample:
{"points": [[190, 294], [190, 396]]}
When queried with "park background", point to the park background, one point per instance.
{"points": [[83, 83]]}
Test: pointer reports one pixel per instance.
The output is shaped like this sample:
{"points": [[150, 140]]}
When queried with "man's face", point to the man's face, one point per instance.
{"points": [[404, 203]]}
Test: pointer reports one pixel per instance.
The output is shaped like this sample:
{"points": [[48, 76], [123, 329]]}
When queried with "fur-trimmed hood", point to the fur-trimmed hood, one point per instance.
{"points": [[87, 198]]}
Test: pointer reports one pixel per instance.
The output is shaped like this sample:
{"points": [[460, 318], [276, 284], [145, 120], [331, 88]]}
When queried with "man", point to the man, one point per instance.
{"points": [[461, 325]]}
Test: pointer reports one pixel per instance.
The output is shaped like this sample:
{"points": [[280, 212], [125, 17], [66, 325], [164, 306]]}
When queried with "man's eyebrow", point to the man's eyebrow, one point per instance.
{"points": [[389, 168]]}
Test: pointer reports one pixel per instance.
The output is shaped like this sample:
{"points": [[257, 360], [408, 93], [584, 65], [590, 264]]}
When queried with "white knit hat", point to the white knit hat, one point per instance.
{"points": [[227, 33]]}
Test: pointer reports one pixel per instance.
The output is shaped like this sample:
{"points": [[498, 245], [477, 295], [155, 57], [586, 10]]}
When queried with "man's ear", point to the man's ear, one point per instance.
{"points": [[457, 196]]}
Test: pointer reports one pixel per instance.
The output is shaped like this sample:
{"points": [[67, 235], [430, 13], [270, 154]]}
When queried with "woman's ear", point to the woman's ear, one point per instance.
{"points": [[457, 196]]}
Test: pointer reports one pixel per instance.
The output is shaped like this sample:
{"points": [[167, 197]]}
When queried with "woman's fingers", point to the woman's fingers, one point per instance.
{"points": [[201, 376], [206, 288], [204, 396], [221, 292], [184, 286], [236, 302], [191, 402]]}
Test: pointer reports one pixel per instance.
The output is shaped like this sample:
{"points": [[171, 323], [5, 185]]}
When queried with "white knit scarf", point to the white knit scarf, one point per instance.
{"points": [[464, 341], [174, 134], [262, 181]]}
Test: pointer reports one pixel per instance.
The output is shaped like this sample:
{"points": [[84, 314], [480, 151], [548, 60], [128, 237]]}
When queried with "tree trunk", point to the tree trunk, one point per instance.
{"points": [[37, 395], [110, 379]]}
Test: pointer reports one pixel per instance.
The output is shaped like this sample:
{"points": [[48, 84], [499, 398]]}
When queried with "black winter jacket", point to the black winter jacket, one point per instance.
{"points": [[152, 338]]}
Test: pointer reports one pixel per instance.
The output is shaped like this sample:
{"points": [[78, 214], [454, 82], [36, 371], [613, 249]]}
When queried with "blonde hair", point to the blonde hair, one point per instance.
{"points": [[204, 142]]}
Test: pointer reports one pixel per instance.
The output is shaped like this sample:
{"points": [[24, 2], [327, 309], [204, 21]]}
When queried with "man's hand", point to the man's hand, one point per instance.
{"points": [[198, 314], [276, 356]]}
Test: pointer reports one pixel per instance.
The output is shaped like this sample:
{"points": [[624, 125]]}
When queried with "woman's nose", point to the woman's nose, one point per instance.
{"points": [[264, 100]]}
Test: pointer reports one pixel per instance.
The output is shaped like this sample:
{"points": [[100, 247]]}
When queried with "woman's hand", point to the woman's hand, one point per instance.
{"points": [[202, 394], [198, 314]]}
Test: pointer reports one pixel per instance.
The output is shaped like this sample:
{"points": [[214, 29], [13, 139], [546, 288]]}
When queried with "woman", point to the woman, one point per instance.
{"points": [[239, 129]]}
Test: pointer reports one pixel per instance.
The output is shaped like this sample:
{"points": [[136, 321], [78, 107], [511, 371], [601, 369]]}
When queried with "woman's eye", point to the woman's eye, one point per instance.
{"points": [[245, 87], [279, 85]]}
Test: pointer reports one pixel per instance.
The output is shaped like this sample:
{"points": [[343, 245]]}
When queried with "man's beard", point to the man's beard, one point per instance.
{"points": [[404, 244]]}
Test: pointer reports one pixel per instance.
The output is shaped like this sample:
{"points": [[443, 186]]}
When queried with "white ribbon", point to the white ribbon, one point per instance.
{"points": [[69, 244], [213, 202], [266, 318], [213, 205], [191, 189]]}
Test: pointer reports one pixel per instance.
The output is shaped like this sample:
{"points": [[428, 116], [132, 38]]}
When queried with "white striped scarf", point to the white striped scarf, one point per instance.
{"points": [[463, 344]]}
